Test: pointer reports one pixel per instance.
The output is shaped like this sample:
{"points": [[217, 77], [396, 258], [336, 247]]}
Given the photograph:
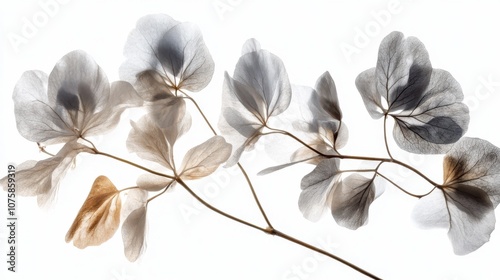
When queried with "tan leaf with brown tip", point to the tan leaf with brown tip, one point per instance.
{"points": [[99, 216]]}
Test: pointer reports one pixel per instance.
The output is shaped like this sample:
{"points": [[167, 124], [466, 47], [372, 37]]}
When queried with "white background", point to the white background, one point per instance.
{"points": [[186, 241]]}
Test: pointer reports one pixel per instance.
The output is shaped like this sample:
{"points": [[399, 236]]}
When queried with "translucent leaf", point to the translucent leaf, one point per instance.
{"points": [[326, 98], [135, 198], [366, 85], [465, 203], [258, 90], [134, 226], [439, 120], [403, 71], [465, 211], [151, 86], [281, 166], [426, 103], [80, 88], [351, 199], [316, 115], [184, 54], [251, 45], [205, 158], [147, 140], [265, 73], [152, 183], [42, 178], [316, 188], [122, 96], [175, 52], [248, 96], [99, 216], [238, 125], [74, 100], [171, 116], [476, 163], [36, 118]]}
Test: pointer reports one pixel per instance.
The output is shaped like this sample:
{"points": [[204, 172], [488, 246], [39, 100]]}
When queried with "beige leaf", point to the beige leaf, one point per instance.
{"points": [[134, 225], [205, 158], [99, 216]]}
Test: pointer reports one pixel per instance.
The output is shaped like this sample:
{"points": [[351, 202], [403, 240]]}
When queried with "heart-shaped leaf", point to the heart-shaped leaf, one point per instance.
{"points": [[316, 188], [205, 158], [351, 200], [99, 216], [465, 203], [425, 103]]}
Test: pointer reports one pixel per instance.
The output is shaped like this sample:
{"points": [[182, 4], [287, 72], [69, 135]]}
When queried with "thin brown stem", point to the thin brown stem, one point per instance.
{"points": [[97, 152], [356, 170], [88, 141], [209, 206], [323, 252], [162, 192], [385, 137], [43, 150], [200, 111], [398, 186], [379, 159], [255, 197], [243, 171], [275, 232]]}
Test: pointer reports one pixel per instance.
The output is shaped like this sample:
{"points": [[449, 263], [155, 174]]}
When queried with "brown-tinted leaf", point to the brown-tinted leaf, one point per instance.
{"points": [[99, 216], [465, 211], [42, 178], [474, 162], [471, 190], [149, 142], [152, 183], [205, 158]]}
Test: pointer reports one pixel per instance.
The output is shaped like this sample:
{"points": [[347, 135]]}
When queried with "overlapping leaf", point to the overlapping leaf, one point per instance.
{"points": [[148, 141], [75, 100], [348, 198], [324, 121], [425, 103], [351, 200], [321, 125], [258, 90], [164, 55], [42, 178], [134, 226], [156, 144], [317, 187], [99, 216], [465, 203]]}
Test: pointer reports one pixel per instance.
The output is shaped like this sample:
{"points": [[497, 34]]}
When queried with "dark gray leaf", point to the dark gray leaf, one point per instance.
{"points": [[426, 103], [465, 211], [351, 200]]}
